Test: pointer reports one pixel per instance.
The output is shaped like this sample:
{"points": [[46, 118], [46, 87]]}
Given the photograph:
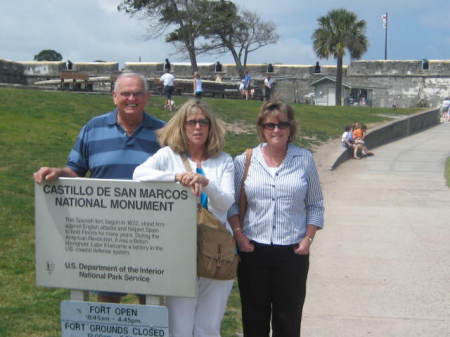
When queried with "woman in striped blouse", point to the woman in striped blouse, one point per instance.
{"points": [[284, 211]]}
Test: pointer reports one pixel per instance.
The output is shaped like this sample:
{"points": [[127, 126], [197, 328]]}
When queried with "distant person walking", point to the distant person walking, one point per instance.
{"points": [[197, 85], [168, 81], [247, 81], [268, 85]]}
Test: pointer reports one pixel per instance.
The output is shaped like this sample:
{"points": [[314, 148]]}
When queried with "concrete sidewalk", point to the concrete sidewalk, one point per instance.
{"points": [[381, 266]]}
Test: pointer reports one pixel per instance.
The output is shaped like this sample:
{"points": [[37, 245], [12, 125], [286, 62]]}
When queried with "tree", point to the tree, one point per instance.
{"points": [[185, 15], [240, 33], [338, 31], [48, 55], [217, 24]]}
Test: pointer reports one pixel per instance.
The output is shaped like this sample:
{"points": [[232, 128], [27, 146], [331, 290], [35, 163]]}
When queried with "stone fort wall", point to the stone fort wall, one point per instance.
{"points": [[12, 72], [403, 83]]}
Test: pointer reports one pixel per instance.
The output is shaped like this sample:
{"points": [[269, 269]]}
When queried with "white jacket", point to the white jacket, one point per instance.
{"points": [[165, 163]]}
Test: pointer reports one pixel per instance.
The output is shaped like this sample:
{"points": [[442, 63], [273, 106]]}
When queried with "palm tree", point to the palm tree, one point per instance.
{"points": [[338, 31]]}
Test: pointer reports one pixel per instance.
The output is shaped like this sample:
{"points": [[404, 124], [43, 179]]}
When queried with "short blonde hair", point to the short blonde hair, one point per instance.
{"points": [[276, 108], [174, 134]]}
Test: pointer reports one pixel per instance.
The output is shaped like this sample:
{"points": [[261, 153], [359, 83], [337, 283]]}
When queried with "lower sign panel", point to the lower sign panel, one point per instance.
{"points": [[94, 319]]}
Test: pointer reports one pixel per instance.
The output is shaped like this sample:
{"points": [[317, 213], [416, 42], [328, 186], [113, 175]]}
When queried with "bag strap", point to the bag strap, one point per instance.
{"points": [[242, 196], [248, 158], [186, 164]]}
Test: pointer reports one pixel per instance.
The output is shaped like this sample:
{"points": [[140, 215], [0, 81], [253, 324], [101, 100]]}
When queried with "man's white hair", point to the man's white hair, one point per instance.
{"points": [[131, 74]]}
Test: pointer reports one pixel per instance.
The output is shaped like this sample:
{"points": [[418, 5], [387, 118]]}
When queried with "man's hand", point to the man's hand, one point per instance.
{"points": [[52, 173]]}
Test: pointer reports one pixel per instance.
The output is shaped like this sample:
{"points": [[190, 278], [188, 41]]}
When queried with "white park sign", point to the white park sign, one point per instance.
{"points": [[91, 319], [116, 235]]}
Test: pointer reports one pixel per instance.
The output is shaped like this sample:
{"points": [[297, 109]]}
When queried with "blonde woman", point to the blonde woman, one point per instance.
{"points": [[195, 133]]}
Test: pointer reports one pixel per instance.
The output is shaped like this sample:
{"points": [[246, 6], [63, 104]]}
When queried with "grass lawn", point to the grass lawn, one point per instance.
{"points": [[38, 128]]}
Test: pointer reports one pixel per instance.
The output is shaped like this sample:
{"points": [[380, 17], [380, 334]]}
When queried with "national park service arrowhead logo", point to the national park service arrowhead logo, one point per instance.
{"points": [[49, 267]]}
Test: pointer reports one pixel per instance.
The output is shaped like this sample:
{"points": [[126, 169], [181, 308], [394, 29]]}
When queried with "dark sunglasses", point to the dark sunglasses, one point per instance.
{"points": [[280, 125], [193, 122]]}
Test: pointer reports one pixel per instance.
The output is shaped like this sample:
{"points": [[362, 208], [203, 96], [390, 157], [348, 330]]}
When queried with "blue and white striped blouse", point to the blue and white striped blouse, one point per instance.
{"points": [[282, 202]]}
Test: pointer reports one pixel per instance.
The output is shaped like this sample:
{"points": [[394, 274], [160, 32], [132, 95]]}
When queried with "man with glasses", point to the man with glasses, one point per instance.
{"points": [[110, 146]]}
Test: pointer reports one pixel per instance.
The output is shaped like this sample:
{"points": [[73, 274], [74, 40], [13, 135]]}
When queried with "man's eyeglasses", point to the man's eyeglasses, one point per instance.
{"points": [[280, 125], [129, 94], [193, 122]]}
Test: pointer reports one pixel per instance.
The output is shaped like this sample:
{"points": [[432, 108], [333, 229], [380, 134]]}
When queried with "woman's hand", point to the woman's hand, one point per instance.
{"points": [[193, 180], [243, 243], [303, 247]]}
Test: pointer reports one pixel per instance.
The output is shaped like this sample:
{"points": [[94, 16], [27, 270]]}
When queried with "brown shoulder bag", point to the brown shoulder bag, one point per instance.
{"points": [[216, 248]]}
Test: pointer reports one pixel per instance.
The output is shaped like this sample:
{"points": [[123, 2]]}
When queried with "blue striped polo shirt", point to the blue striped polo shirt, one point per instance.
{"points": [[105, 150]]}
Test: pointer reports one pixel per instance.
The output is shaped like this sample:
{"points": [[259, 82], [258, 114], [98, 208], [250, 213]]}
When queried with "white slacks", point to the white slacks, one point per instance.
{"points": [[200, 316]]}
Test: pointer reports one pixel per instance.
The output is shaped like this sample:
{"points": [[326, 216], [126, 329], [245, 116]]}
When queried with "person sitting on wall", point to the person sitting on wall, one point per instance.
{"points": [[348, 142], [358, 135], [346, 138]]}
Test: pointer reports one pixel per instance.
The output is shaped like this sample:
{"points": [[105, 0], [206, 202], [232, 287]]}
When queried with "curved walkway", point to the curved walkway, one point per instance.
{"points": [[381, 266]]}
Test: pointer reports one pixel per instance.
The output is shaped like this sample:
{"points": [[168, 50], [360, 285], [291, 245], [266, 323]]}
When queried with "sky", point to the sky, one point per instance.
{"points": [[89, 30]]}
